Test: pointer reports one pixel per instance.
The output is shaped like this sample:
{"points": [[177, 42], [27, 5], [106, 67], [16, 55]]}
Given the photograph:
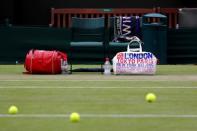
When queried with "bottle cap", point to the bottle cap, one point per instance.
{"points": [[106, 59]]}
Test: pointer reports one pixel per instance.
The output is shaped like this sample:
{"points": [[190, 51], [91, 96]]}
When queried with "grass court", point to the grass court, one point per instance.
{"points": [[105, 103]]}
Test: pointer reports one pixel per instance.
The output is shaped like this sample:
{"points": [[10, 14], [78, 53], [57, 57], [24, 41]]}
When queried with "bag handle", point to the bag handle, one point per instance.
{"points": [[134, 40]]}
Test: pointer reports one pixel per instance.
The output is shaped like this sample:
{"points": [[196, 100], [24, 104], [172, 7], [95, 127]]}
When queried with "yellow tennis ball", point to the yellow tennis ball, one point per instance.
{"points": [[151, 97], [74, 117], [13, 110]]}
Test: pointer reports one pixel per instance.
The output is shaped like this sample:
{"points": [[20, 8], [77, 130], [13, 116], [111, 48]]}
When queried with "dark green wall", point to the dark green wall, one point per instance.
{"points": [[17, 41], [182, 46]]}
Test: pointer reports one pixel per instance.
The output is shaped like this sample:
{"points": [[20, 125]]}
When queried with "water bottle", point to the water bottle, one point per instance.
{"points": [[64, 66], [177, 26], [107, 67]]}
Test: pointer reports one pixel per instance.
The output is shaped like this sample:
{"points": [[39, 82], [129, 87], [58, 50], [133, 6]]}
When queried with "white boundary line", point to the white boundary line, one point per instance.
{"points": [[75, 87], [97, 80], [98, 116], [116, 80], [66, 80]]}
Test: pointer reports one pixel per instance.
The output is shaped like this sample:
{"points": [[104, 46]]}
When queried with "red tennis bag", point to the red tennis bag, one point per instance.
{"points": [[44, 62]]}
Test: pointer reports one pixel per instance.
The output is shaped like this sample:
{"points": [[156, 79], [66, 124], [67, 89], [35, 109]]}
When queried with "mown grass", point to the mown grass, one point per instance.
{"points": [[161, 69], [93, 93]]}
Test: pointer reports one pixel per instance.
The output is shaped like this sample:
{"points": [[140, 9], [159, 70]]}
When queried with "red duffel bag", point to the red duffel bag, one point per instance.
{"points": [[44, 62]]}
